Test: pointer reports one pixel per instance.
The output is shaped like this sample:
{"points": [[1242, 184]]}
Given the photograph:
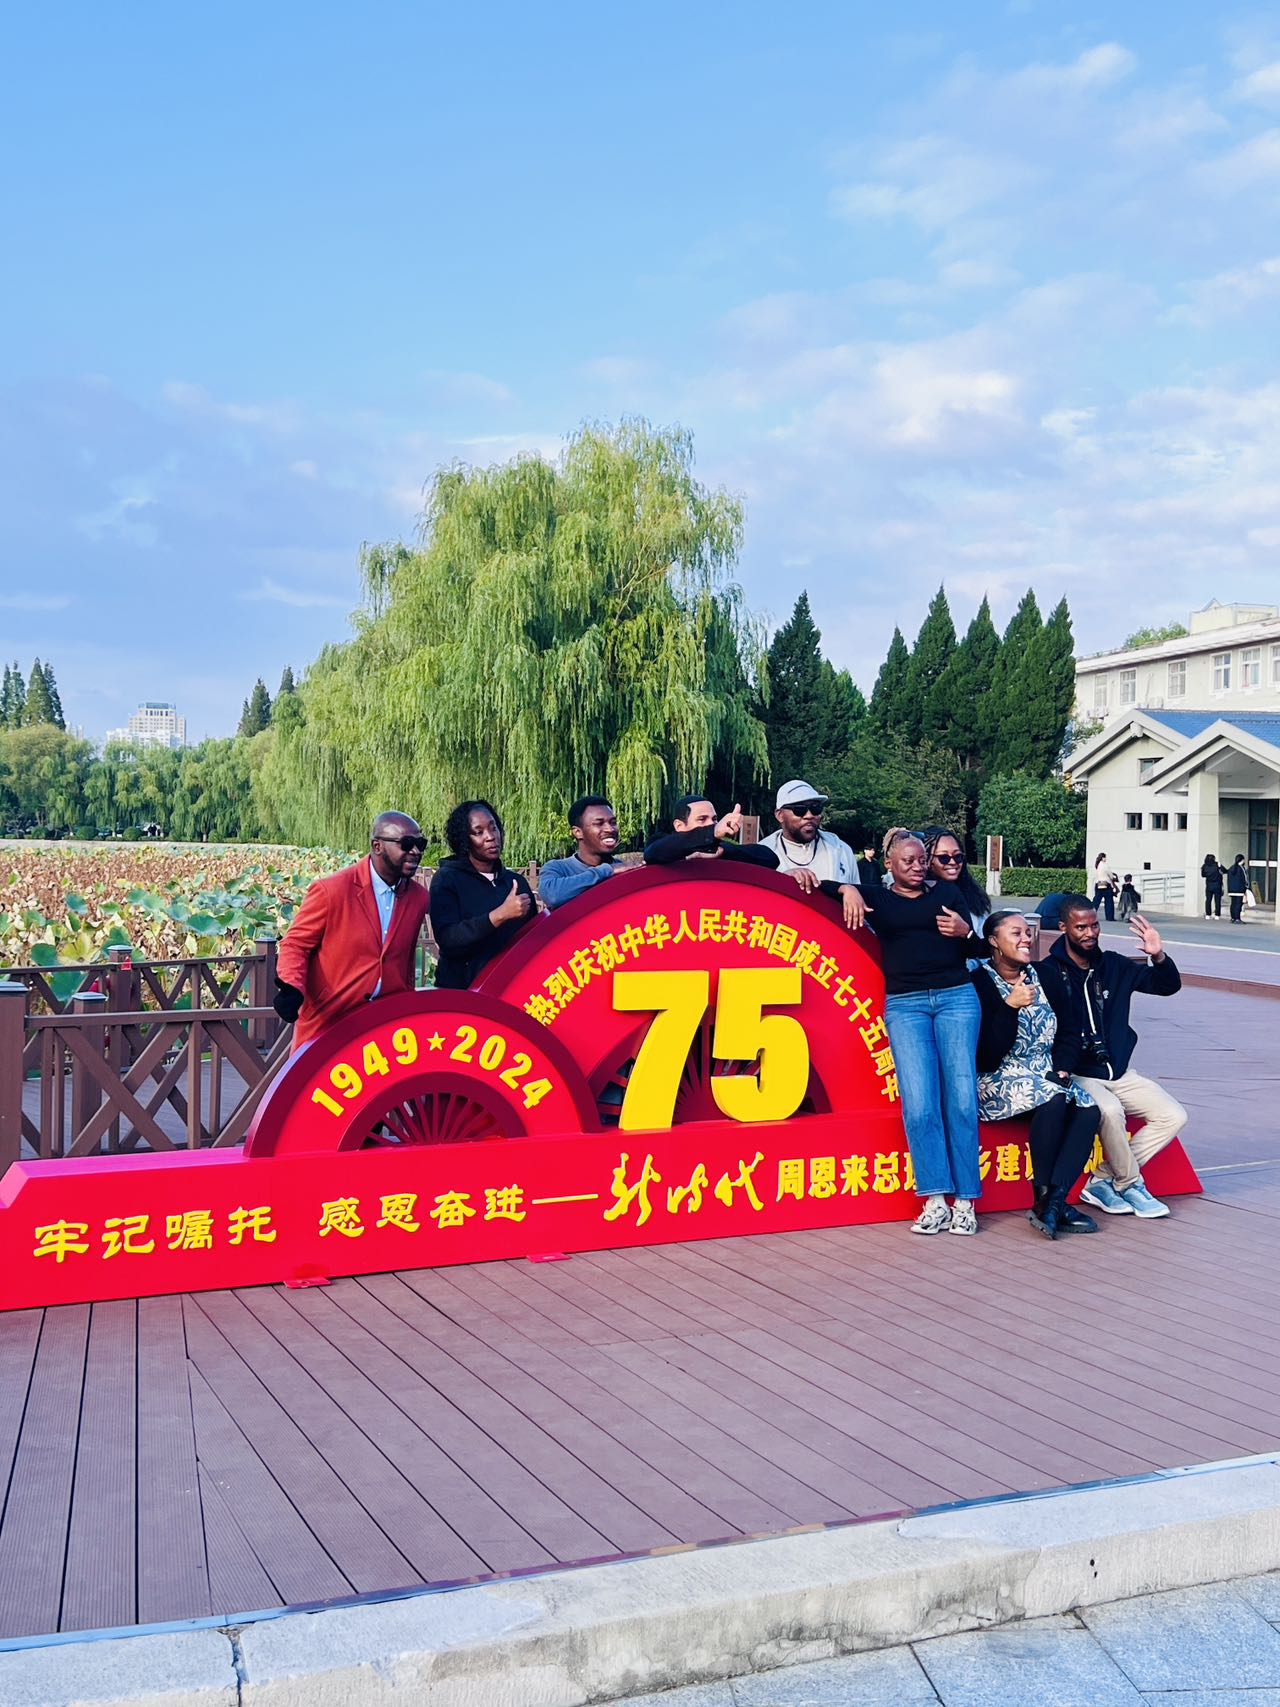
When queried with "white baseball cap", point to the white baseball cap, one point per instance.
{"points": [[791, 793]]}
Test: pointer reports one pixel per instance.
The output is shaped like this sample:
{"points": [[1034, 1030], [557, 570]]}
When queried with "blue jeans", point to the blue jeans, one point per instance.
{"points": [[934, 1034]]}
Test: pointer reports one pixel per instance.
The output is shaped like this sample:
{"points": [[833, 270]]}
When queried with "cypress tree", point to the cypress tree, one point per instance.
{"points": [[843, 710], [39, 707], [16, 700], [6, 696], [1045, 692], [964, 690], [256, 711], [1013, 718], [287, 686], [796, 719], [888, 698], [55, 698], [935, 644]]}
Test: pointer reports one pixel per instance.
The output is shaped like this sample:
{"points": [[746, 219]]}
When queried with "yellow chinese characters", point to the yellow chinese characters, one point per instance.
{"points": [[61, 1239], [453, 1209], [625, 1195], [689, 1195], [251, 1223], [191, 1230], [397, 1211], [744, 1180], [125, 1235], [504, 1203], [341, 1216]]}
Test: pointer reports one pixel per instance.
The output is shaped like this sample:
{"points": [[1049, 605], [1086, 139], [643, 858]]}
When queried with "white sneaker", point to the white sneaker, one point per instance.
{"points": [[934, 1217], [1143, 1204], [964, 1220]]}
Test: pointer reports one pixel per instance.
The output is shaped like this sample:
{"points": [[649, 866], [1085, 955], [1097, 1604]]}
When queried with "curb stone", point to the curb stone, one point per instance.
{"points": [[603, 1632]]}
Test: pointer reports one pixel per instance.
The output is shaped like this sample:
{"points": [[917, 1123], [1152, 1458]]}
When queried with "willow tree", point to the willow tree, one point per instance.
{"points": [[564, 628]]}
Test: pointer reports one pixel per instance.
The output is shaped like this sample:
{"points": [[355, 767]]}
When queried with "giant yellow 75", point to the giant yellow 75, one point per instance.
{"points": [[776, 1043]]}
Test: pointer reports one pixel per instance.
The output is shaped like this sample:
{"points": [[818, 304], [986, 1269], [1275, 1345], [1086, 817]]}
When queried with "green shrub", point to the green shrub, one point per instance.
{"points": [[84, 833], [1042, 880], [132, 834]]}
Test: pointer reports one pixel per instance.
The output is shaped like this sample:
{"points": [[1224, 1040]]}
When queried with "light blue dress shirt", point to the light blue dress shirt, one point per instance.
{"points": [[385, 896]]}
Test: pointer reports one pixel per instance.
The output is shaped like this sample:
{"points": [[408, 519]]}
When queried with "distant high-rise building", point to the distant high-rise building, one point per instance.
{"points": [[154, 724]]}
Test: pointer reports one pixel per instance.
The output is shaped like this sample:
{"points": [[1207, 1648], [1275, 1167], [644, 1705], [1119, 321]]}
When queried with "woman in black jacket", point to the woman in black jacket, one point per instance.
{"points": [[1213, 875], [1019, 1075], [1237, 883], [476, 904], [947, 864]]}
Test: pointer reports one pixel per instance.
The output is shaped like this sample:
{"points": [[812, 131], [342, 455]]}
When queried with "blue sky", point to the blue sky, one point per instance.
{"points": [[986, 295]]}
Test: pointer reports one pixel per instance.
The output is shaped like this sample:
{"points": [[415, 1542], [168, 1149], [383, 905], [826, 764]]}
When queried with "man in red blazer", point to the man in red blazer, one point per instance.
{"points": [[355, 933]]}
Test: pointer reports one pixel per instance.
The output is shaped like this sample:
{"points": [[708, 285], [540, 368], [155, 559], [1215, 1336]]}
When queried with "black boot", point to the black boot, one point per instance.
{"points": [[1036, 1213], [1047, 1219], [1073, 1220]]}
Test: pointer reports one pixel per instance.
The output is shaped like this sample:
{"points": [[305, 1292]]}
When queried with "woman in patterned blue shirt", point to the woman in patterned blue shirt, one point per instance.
{"points": [[1017, 1075]]}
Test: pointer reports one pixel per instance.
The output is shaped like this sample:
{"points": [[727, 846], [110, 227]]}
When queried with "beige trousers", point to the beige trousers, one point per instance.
{"points": [[1125, 1154]]}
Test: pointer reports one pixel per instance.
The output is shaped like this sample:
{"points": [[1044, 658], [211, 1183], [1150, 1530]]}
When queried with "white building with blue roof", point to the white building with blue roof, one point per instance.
{"points": [[1167, 787]]}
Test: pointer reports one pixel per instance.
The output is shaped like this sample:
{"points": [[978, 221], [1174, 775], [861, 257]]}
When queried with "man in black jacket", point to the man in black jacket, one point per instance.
{"points": [[698, 834], [1090, 990]]}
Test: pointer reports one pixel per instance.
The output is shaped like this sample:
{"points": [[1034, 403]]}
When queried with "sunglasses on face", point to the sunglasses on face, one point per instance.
{"points": [[949, 859], [808, 808], [410, 844]]}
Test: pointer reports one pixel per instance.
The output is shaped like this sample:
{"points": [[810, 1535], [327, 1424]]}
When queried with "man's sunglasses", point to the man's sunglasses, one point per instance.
{"points": [[410, 844], [808, 808]]}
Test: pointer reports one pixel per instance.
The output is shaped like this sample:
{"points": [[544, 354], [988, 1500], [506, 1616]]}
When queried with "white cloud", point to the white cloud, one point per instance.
{"points": [[123, 518], [273, 592], [1243, 168], [932, 181], [1227, 293], [1097, 68], [468, 388], [619, 371], [1262, 85], [34, 601], [284, 419]]}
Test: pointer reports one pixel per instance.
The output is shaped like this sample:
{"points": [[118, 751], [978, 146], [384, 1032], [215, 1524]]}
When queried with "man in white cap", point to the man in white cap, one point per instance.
{"points": [[802, 845]]}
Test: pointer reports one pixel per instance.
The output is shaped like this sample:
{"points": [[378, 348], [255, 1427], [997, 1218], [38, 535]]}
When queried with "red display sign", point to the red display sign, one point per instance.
{"points": [[680, 1054]]}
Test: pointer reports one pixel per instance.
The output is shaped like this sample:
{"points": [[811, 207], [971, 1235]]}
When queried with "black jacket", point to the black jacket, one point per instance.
{"points": [[459, 906], [998, 1029], [1112, 980], [1237, 880], [1213, 874], [679, 844]]}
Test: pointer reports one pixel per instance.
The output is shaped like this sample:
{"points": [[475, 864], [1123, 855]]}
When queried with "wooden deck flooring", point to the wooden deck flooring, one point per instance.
{"points": [[229, 1452]]}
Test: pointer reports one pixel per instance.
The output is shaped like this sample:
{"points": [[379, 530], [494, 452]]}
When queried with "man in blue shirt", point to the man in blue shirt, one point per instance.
{"points": [[594, 826]]}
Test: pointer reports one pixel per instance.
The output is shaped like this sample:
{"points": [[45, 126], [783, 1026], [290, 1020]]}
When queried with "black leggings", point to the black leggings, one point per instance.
{"points": [[1237, 907], [1062, 1135], [1105, 899], [1213, 902]]}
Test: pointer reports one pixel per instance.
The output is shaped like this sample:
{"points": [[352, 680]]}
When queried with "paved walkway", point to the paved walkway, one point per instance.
{"points": [[1202, 1647], [230, 1452]]}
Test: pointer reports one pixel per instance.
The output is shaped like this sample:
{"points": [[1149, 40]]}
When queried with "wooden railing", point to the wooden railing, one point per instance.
{"points": [[161, 1055]]}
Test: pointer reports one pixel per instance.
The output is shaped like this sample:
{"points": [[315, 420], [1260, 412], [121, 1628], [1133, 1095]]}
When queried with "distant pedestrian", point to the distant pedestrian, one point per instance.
{"points": [[1213, 875], [1130, 900], [870, 871], [1237, 887], [1105, 884]]}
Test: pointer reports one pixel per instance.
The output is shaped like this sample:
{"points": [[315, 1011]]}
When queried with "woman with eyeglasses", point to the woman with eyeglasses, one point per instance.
{"points": [[1021, 1073], [932, 1015], [947, 864], [477, 905]]}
